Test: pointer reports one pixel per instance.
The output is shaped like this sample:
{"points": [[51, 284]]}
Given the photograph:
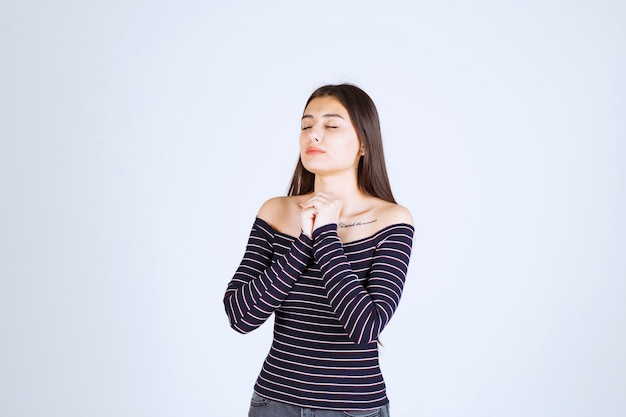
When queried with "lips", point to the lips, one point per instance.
{"points": [[312, 150]]}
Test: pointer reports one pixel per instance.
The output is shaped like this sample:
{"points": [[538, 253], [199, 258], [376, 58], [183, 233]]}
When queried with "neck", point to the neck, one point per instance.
{"points": [[344, 189]]}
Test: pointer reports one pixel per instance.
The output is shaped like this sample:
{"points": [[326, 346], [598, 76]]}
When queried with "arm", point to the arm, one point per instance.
{"points": [[364, 308], [260, 284]]}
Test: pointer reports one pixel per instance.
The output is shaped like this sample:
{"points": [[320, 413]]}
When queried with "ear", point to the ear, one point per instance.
{"points": [[362, 152]]}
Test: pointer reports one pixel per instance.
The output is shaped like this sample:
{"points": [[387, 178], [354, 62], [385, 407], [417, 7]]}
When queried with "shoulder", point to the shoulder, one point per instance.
{"points": [[377, 215], [274, 208], [282, 213], [269, 207], [392, 213]]}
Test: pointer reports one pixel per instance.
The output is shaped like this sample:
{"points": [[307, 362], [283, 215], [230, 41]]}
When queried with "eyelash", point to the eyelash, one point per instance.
{"points": [[328, 127]]}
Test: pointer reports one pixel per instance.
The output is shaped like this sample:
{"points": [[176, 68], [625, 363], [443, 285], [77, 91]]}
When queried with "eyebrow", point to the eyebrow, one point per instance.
{"points": [[308, 116]]}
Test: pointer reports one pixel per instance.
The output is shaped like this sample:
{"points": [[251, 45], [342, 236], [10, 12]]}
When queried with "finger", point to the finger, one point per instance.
{"points": [[323, 195], [318, 200], [309, 214], [307, 204]]}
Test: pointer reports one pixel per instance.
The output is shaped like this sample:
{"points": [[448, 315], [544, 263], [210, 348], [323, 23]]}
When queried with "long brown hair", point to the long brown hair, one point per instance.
{"points": [[372, 172]]}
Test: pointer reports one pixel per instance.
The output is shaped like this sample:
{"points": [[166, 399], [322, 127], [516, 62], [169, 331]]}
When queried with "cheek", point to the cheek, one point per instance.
{"points": [[303, 140], [352, 148]]}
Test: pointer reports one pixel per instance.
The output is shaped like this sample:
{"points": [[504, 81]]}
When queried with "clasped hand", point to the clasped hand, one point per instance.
{"points": [[318, 211]]}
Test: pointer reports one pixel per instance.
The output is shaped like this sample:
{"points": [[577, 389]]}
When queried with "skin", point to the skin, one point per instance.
{"points": [[331, 149]]}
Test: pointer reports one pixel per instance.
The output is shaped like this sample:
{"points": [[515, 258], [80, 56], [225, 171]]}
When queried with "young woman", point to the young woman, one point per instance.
{"points": [[329, 260]]}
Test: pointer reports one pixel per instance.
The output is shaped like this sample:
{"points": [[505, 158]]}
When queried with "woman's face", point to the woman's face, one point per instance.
{"points": [[328, 141]]}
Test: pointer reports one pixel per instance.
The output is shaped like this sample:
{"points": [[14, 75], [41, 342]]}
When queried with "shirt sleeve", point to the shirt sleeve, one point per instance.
{"points": [[262, 280], [364, 307]]}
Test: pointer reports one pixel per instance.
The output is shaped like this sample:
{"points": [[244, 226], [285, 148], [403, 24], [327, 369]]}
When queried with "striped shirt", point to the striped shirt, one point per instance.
{"points": [[331, 300]]}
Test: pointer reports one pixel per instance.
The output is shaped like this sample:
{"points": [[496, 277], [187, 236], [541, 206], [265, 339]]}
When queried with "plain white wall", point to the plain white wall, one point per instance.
{"points": [[138, 140]]}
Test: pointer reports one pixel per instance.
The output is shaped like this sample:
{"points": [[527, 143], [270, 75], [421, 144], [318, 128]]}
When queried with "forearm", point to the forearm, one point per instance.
{"points": [[363, 307], [260, 285]]}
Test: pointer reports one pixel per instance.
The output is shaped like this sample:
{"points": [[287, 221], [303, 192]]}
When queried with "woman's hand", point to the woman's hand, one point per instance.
{"points": [[318, 211]]}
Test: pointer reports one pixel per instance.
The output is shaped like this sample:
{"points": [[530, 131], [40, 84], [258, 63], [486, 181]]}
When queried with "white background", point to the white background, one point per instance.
{"points": [[139, 138]]}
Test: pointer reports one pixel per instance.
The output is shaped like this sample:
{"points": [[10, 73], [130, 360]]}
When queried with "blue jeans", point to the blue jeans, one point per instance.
{"points": [[263, 407]]}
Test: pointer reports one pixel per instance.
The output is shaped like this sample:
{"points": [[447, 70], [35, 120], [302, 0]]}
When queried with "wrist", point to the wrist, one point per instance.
{"points": [[317, 230]]}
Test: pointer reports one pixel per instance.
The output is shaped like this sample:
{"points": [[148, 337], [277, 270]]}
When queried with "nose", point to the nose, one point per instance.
{"points": [[315, 135]]}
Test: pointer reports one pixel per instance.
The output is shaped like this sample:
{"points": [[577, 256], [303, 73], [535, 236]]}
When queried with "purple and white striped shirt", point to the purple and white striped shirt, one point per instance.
{"points": [[331, 301]]}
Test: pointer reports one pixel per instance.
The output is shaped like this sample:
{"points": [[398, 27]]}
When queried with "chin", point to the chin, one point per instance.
{"points": [[309, 166]]}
